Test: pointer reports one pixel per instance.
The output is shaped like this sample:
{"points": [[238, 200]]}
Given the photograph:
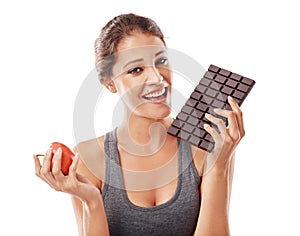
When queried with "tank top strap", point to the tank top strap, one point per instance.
{"points": [[186, 159], [113, 174]]}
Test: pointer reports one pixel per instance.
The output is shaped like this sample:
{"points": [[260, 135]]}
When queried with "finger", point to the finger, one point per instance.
{"points": [[75, 149], [73, 166], [45, 170], [214, 133], [37, 165], [46, 173], [236, 109], [233, 126], [56, 169], [233, 103], [218, 122]]}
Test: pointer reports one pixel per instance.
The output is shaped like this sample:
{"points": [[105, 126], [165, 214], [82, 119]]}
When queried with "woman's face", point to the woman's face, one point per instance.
{"points": [[142, 76]]}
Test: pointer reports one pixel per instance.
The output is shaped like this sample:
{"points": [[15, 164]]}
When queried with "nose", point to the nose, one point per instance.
{"points": [[153, 75]]}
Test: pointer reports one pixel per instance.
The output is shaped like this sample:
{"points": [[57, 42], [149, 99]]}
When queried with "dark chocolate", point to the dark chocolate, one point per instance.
{"points": [[211, 92]]}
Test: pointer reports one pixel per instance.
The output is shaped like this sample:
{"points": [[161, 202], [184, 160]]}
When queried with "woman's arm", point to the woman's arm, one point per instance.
{"points": [[91, 218], [218, 173], [215, 199], [78, 211], [90, 215]]}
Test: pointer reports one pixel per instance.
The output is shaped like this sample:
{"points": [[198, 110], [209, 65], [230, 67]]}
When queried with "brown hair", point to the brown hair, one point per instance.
{"points": [[111, 35]]}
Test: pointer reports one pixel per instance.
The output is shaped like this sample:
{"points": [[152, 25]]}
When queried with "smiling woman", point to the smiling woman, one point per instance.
{"points": [[137, 179]]}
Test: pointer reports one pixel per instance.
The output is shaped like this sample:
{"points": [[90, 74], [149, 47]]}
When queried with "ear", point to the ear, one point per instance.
{"points": [[110, 85]]}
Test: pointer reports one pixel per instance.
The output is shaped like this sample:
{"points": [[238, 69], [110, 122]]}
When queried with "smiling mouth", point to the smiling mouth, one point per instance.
{"points": [[157, 96]]}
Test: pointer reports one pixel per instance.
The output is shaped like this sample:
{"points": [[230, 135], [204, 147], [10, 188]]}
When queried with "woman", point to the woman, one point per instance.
{"points": [[137, 179]]}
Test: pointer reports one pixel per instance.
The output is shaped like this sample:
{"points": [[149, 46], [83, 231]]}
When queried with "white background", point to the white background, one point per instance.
{"points": [[46, 52]]}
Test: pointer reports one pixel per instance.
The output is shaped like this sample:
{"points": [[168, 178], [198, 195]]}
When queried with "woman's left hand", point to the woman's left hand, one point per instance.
{"points": [[227, 138]]}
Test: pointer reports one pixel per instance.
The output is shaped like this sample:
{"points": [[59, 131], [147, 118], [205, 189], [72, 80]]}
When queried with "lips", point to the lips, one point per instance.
{"points": [[157, 95]]}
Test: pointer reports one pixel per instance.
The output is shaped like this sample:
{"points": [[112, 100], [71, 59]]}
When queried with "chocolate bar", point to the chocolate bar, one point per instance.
{"points": [[211, 92]]}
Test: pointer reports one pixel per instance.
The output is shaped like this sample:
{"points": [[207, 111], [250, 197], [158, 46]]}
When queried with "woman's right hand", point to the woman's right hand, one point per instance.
{"points": [[72, 183], [91, 215]]}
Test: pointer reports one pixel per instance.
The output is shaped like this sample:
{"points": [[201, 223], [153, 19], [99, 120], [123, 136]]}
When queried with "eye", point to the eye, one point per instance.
{"points": [[162, 61], [135, 70]]}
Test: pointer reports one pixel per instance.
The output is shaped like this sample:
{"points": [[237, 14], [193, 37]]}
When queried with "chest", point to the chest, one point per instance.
{"points": [[152, 180], [171, 209]]}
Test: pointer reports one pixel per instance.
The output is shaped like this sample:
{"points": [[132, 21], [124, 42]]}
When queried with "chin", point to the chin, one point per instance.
{"points": [[156, 112]]}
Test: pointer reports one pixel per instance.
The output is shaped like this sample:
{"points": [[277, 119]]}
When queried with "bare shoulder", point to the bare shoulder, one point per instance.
{"points": [[92, 158], [199, 156]]}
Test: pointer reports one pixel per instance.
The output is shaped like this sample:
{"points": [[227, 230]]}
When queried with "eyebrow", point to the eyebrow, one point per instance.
{"points": [[139, 60], [131, 62], [160, 52]]}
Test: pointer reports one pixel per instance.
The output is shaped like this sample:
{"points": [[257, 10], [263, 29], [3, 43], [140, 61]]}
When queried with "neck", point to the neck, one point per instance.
{"points": [[142, 136]]}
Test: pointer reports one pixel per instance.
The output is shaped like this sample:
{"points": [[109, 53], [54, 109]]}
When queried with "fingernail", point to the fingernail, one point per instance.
{"points": [[230, 98], [58, 150], [207, 115]]}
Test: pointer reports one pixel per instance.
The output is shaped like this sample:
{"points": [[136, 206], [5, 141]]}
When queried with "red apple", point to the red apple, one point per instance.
{"points": [[66, 159]]}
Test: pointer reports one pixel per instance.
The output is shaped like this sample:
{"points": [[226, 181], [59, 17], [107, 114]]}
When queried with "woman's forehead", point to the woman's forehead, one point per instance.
{"points": [[143, 52], [139, 39]]}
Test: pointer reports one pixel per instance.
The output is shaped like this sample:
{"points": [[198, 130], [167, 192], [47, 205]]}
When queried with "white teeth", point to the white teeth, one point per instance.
{"points": [[156, 93]]}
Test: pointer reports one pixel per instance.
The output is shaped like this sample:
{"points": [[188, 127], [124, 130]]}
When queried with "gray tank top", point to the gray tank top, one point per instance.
{"points": [[177, 216]]}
